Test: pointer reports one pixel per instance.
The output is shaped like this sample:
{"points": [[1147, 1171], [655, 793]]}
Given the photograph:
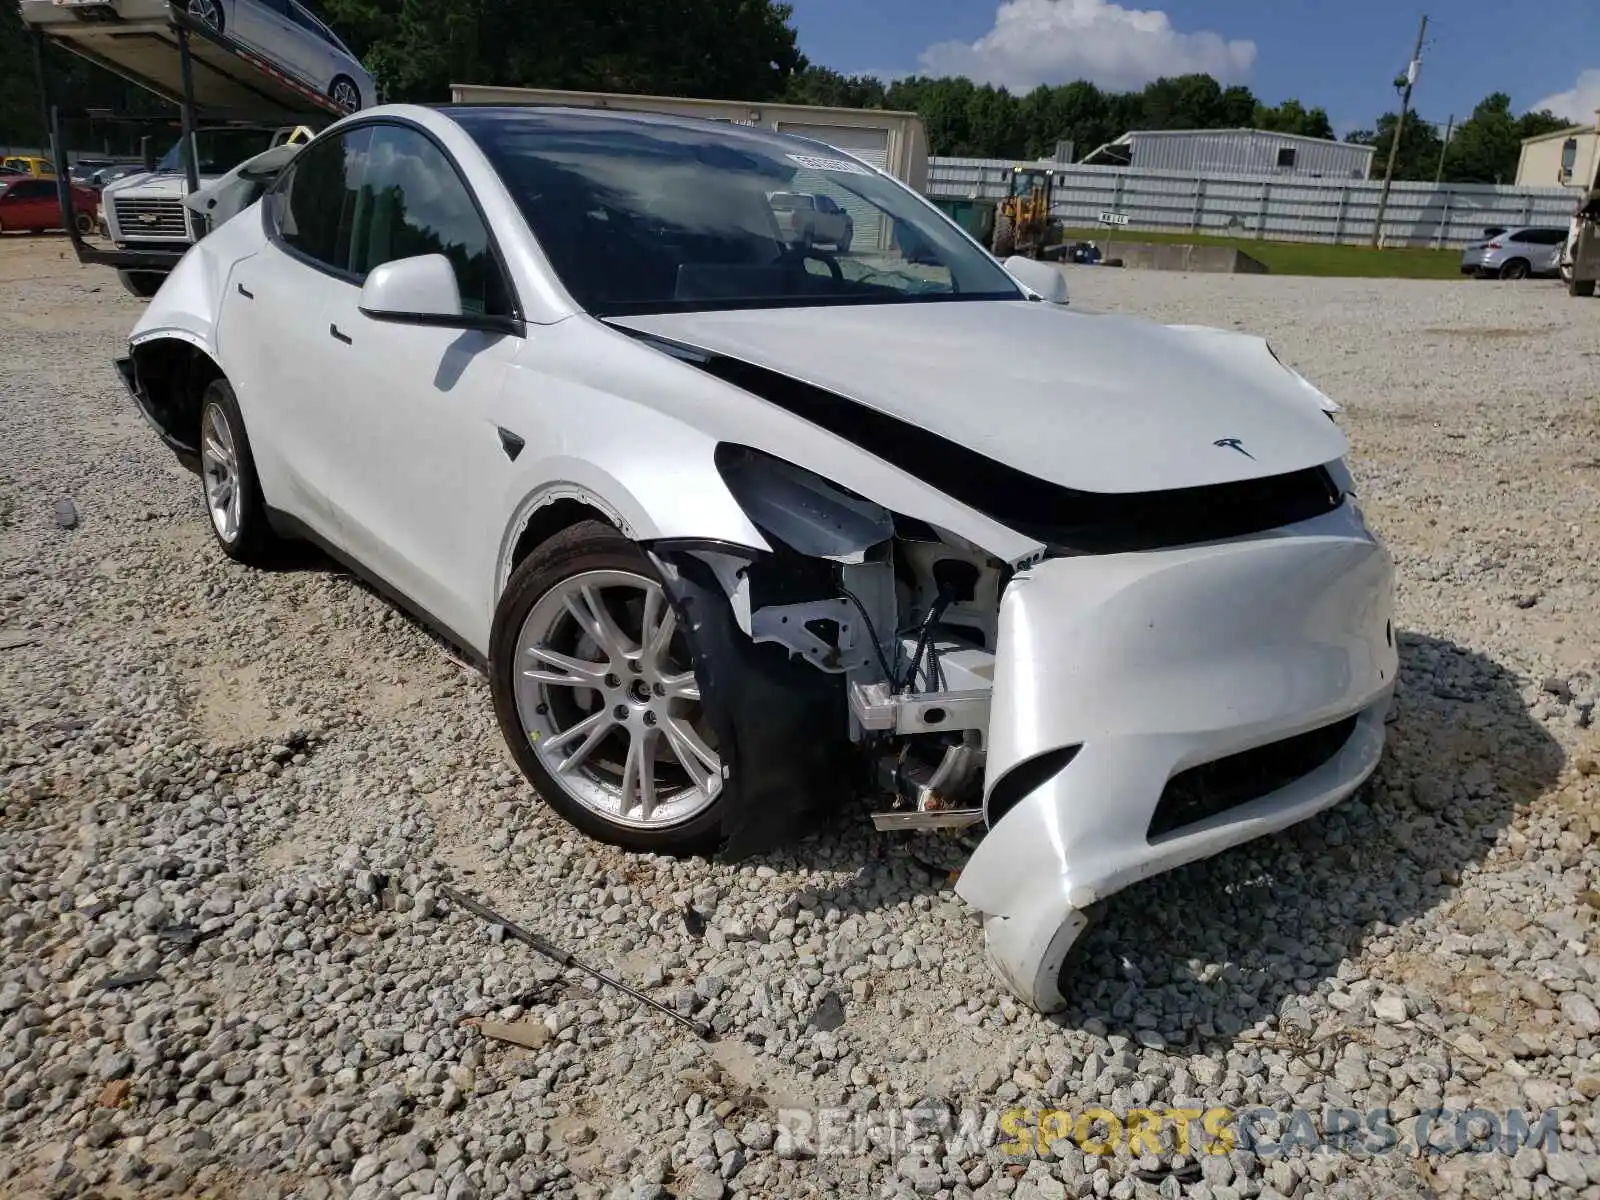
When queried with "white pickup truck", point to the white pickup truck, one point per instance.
{"points": [[147, 211], [812, 219]]}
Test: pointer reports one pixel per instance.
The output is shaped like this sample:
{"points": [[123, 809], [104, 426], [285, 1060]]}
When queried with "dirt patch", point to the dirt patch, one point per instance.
{"points": [[229, 705]]}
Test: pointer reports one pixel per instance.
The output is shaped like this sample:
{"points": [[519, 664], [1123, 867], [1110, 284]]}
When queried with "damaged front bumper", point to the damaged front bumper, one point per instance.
{"points": [[1151, 709]]}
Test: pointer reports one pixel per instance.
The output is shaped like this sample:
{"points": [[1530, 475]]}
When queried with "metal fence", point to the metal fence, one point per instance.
{"points": [[1274, 207]]}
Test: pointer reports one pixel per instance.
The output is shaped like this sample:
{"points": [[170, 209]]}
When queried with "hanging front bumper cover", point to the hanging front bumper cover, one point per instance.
{"points": [[1165, 706]]}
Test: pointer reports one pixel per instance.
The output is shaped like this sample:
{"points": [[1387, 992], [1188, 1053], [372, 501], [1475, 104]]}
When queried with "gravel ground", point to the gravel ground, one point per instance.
{"points": [[229, 797]]}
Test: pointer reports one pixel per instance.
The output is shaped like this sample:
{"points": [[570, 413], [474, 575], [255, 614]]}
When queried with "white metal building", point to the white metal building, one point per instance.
{"points": [[1565, 158], [1234, 152]]}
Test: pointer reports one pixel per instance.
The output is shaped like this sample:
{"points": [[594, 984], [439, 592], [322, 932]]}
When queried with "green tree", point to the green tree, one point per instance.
{"points": [[1418, 156], [1238, 107], [20, 122], [1532, 124], [1183, 102], [994, 121], [946, 108], [722, 49], [1485, 146], [1293, 117], [822, 85]]}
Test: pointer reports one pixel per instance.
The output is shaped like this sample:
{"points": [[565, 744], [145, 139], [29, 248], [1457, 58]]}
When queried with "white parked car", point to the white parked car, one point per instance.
{"points": [[294, 37], [735, 526], [286, 33]]}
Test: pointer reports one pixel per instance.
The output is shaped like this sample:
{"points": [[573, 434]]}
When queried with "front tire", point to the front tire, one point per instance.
{"points": [[84, 223], [142, 284], [228, 480], [597, 697]]}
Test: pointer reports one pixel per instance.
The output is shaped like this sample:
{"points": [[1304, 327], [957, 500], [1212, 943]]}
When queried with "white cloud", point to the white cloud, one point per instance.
{"points": [[1057, 41], [1579, 102]]}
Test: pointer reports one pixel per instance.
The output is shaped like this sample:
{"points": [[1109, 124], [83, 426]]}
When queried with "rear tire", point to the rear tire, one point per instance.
{"points": [[228, 481], [83, 223], [1517, 268], [605, 707]]}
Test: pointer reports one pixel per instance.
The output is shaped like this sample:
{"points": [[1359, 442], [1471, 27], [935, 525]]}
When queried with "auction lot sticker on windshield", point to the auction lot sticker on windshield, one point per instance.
{"points": [[813, 162]]}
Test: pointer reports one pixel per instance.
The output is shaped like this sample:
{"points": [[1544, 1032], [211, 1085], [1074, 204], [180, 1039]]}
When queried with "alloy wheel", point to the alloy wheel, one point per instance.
{"points": [[219, 467], [207, 11], [608, 701], [346, 95]]}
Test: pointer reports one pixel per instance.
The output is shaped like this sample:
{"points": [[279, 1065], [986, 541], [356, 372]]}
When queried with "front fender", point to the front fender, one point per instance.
{"points": [[190, 299], [636, 508]]}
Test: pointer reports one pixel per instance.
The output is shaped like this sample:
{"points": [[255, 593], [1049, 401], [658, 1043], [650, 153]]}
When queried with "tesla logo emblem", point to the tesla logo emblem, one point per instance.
{"points": [[1233, 444]]}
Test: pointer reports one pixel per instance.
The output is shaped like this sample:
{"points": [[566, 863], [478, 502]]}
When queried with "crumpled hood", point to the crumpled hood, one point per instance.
{"points": [[1096, 402]]}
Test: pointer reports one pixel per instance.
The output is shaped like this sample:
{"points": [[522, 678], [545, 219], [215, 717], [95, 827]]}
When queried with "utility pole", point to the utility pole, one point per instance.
{"points": [[1449, 128], [1412, 68]]}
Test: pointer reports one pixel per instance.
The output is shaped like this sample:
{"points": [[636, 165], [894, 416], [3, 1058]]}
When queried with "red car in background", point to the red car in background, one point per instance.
{"points": [[31, 204]]}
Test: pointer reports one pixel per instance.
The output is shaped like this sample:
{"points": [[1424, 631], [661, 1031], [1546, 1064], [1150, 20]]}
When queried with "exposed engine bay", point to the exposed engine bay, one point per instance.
{"points": [[900, 620]]}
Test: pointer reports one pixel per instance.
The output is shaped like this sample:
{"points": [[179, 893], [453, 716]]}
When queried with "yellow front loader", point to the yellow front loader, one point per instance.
{"points": [[1022, 222]]}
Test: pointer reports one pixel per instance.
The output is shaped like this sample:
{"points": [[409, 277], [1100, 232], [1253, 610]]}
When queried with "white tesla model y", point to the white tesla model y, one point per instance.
{"points": [[739, 522]]}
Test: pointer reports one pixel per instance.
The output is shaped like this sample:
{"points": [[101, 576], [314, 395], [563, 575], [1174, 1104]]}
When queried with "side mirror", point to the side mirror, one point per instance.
{"points": [[418, 291], [1041, 278]]}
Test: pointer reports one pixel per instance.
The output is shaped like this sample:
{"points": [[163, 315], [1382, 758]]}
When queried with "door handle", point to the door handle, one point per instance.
{"points": [[343, 337], [245, 292]]}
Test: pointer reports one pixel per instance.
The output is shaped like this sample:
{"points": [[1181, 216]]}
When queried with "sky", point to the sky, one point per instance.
{"points": [[1341, 55]]}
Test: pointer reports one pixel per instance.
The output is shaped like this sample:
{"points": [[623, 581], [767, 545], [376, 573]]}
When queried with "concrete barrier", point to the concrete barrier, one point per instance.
{"points": [[1181, 256]]}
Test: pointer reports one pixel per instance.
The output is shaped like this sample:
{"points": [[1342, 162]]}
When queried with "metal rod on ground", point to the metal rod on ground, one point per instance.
{"points": [[700, 1028], [1399, 131]]}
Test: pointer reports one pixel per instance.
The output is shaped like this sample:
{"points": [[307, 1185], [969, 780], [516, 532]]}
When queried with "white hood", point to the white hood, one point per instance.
{"points": [[149, 183], [1097, 402]]}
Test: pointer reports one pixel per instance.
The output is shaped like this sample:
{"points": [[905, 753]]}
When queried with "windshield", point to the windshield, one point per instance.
{"points": [[644, 215], [221, 150]]}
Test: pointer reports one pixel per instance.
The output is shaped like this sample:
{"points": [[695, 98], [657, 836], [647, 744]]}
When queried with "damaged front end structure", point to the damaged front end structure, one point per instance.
{"points": [[1107, 714]]}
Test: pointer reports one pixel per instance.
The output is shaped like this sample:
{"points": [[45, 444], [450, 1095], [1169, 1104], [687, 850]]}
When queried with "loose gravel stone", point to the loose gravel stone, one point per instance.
{"points": [[249, 785], [1580, 1012]]}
